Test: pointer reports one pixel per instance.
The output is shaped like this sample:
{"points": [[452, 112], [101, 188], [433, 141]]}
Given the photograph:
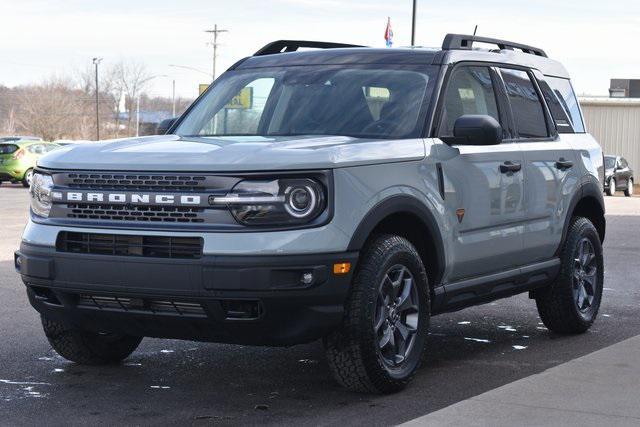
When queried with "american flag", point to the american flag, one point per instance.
{"points": [[388, 33]]}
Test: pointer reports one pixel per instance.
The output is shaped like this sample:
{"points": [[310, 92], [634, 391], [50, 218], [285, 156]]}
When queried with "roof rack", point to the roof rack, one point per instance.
{"points": [[461, 41], [282, 46]]}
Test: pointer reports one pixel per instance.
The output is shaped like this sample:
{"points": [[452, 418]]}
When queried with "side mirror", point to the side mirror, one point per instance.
{"points": [[165, 125], [477, 130]]}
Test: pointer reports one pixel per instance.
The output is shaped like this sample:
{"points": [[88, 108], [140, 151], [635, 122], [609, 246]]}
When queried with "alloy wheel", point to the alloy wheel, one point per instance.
{"points": [[585, 275], [396, 317]]}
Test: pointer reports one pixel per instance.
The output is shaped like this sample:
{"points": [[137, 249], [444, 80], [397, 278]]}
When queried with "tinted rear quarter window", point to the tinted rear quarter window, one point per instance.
{"points": [[557, 109], [566, 95], [528, 113]]}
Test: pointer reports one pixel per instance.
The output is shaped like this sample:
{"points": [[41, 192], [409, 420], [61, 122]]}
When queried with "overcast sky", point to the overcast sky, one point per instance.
{"points": [[596, 40]]}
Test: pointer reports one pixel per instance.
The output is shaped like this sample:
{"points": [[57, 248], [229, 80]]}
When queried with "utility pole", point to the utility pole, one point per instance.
{"points": [[413, 24], [138, 116], [96, 62], [215, 32], [173, 99]]}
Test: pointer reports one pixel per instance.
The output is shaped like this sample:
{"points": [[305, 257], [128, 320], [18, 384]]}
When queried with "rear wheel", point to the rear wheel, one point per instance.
{"points": [[629, 191], [89, 348], [28, 177], [571, 304], [383, 334]]}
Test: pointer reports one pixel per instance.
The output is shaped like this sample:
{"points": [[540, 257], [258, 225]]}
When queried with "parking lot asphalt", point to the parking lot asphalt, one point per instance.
{"points": [[175, 382]]}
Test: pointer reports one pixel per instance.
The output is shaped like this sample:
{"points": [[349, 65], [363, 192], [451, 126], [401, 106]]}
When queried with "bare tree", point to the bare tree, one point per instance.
{"points": [[130, 78], [50, 110]]}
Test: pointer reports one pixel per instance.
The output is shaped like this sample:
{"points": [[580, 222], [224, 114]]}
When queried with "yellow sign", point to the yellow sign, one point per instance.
{"points": [[202, 87], [242, 101]]}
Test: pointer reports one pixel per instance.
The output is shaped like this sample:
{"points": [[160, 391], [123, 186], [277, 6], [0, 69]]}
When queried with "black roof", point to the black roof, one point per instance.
{"points": [[340, 56]]}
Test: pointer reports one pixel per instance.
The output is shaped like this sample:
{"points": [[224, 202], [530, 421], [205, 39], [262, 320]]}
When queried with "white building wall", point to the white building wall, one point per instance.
{"points": [[615, 123]]}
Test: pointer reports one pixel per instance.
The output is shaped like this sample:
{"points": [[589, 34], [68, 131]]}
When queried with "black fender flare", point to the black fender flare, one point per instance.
{"points": [[588, 187], [396, 204]]}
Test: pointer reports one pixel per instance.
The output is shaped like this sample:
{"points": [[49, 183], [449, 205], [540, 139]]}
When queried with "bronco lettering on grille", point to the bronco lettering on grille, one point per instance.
{"points": [[161, 199]]}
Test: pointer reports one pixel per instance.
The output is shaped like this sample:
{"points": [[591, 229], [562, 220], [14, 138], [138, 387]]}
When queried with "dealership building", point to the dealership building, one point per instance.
{"points": [[615, 121]]}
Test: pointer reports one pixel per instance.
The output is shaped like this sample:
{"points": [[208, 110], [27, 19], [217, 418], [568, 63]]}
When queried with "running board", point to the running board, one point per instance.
{"points": [[480, 290]]}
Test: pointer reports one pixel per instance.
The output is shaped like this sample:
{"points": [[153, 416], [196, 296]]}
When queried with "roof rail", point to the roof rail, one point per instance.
{"points": [[461, 41], [282, 46]]}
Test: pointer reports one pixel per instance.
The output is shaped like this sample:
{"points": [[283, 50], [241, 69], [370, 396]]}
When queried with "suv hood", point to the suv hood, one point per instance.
{"points": [[231, 154]]}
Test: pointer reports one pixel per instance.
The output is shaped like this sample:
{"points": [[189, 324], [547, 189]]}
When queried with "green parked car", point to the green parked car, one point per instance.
{"points": [[18, 157]]}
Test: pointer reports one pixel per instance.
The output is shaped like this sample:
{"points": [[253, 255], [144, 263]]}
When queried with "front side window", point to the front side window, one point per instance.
{"points": [[623, 163], [470, 91], [314, 100], [609, 162], [564, 91], [528, 113]]}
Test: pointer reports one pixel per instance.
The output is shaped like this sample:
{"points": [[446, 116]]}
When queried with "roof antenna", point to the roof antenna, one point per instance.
{"points": [[474, 30]]}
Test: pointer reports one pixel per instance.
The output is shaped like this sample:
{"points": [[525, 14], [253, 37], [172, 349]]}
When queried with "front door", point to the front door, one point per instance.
{"points": [[483, 185]]}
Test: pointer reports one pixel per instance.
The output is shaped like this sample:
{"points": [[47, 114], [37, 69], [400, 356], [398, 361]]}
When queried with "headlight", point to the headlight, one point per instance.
{"points": [[275, 202], [41, 186]]}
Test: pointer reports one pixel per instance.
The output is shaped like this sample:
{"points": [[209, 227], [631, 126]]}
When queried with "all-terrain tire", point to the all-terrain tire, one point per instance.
{"points": [[88, 348], [353, 351], [557, 304]]}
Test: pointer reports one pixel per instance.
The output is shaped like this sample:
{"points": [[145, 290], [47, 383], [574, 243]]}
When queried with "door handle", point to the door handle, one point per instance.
{"points": [[563, 164], [510, 167]]}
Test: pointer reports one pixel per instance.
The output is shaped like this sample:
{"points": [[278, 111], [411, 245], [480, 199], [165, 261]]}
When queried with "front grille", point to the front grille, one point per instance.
{"points": [[125, 245], [126, 304], [136, 213], [97, 181]]}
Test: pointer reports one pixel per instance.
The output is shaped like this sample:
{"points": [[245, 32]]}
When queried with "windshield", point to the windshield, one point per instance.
{"points": [[312, 100], [609, 162]]}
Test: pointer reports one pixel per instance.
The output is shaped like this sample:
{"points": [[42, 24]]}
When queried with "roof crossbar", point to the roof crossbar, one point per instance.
{"points": [[465, 42], [282, 46]]}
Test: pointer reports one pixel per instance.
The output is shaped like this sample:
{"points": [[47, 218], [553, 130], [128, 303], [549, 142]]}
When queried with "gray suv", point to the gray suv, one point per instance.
{"points": [[341, 193]]}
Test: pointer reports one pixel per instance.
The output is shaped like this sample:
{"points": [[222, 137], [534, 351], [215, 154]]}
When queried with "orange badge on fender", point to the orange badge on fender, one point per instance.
{"points": [[460, 214]]}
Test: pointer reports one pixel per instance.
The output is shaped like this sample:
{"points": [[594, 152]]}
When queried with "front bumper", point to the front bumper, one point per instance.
{"points": [[256, 300]]}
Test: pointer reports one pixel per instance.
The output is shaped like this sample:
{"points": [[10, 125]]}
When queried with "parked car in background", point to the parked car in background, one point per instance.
{"points": [[18, 158], [618, 176], [19, 138]]}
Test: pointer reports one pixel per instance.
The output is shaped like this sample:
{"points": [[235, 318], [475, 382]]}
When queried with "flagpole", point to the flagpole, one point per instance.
{"points": [[413, 24]]}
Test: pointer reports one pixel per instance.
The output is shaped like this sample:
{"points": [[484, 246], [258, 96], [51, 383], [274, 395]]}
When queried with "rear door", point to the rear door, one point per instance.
{"points": [[550, 178], [484, 201]]}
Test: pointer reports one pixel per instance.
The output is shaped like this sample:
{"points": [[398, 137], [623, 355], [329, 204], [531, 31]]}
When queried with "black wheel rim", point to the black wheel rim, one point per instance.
{"points": [[585, 275], [396, 317]]}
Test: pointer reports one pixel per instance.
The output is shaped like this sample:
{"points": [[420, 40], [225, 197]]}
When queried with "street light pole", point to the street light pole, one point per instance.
{"points": [[413, 24], [215, 32], [96, 62]]}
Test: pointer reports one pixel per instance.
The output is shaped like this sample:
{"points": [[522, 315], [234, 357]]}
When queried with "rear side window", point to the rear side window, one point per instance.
{"points": [[566, 95], [470, 91], [525, 104], [8, 148]]}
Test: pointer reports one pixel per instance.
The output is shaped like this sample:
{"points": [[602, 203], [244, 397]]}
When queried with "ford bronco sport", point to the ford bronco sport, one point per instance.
{"points": [[343, 193]]}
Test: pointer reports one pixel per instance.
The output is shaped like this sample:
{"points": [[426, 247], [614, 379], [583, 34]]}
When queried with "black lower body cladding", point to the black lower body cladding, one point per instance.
{"points": [[259, 300]]}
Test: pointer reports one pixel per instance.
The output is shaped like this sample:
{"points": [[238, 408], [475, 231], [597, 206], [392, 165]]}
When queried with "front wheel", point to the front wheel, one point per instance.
{"points": [[382, 338], [571, 304], [88, 348], [28, 177], [611, 191], [629, 191]]}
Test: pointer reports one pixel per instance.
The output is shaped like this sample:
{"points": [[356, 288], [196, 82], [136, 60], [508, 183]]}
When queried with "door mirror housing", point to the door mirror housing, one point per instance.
{"points": [[473, 129], [165, 125]]}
